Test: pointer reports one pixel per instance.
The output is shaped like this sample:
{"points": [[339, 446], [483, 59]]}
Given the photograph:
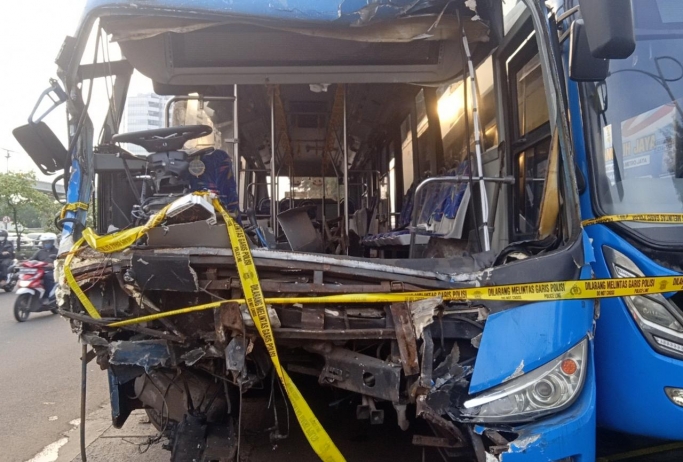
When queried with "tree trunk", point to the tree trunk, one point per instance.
{"points": [[16, 228]]}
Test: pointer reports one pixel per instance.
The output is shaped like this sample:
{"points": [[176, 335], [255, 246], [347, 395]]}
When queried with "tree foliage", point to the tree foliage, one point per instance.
{"points": [[20, 200]]}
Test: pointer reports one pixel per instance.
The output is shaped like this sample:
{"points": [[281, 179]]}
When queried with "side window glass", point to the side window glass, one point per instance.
{"points": [[451, 115], [532, 169], [531, 138], [532, 109]]}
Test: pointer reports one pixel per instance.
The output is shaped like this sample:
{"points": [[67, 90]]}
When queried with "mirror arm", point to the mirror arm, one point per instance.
{"points": [[567, 14], [56, 94]]}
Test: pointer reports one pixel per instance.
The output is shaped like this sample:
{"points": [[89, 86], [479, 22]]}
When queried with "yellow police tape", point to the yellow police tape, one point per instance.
{"points": [[666, 218], [121, 240], [530, 292], [315, 433], [73, 207], [75, 288]]}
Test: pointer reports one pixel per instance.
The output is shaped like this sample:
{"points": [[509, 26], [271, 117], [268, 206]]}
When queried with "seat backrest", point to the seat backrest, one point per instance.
{"points": [[299, 230], [218, 176]]}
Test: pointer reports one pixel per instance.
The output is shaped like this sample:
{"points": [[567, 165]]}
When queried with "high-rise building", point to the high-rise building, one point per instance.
{"points": [[145, 111]]}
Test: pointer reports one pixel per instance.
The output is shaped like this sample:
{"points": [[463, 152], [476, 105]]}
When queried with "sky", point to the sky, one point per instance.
{"points": [[30, 38]]}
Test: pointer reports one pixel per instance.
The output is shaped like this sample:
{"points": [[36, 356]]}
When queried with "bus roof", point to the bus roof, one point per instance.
{"points": [[213, 42]]}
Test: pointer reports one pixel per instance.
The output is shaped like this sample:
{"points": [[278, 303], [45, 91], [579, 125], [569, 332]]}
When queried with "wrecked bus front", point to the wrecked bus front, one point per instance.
{"points": [[328, 198]]}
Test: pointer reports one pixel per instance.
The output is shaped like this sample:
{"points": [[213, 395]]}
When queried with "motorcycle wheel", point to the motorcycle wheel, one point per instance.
{"points": [[54, 311], [22, 307]]}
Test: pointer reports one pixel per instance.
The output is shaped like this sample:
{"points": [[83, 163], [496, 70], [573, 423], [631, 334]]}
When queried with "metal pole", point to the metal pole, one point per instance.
{"points": [[291, 187], [477, 146], [236, 145], [8, 154], [346, 180], [324, 215], [273, 198]]}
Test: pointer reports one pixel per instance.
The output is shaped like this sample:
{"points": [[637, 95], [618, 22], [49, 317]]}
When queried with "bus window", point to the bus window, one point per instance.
{"points": [[451, 114], [407, 154], [531, 103], [530, 138]]}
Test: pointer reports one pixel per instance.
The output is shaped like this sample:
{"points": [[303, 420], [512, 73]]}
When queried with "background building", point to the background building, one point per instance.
{"points": [[145, 111]]}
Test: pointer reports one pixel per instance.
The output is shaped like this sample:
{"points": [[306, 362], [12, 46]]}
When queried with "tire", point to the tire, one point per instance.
{"points": [[54, 311], [22, 307]]}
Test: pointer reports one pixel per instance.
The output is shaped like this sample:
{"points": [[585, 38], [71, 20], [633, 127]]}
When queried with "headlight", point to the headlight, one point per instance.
{"points": [[657, 317], [547, 389]]}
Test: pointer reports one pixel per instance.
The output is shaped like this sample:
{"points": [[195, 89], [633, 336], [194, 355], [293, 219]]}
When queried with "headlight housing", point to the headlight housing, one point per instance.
{"points": [[545, 390], [660, 320]]}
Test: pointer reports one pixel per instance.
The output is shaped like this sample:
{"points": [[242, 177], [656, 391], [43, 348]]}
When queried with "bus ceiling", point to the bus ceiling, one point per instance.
{"points": [[308, 41]]}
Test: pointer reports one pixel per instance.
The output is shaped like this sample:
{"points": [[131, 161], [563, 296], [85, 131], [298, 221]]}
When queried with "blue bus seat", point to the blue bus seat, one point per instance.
{"points": [[442, 213], [218, 176]]}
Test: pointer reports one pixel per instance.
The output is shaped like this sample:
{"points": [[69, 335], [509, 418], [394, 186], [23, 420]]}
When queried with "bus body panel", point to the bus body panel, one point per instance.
{"points": [[568, 435], [519, 340], [632, 375]]}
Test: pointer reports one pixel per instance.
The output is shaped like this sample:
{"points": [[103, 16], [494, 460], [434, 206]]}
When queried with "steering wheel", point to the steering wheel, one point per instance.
{"points": [[164, 139]]}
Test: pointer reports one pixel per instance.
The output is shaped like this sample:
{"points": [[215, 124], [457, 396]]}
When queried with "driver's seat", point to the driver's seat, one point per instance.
{"points": [[218, 176], [167, 159]]}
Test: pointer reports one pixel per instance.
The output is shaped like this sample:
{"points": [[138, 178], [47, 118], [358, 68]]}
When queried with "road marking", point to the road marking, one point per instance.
{"points": [[50, 452]]}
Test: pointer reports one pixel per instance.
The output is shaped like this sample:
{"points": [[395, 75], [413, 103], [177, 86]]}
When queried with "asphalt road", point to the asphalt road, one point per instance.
{"points": [[40, 382]]}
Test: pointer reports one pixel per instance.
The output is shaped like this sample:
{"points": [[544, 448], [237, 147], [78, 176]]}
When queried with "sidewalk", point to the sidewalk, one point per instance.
{"points": [[105, 443]]}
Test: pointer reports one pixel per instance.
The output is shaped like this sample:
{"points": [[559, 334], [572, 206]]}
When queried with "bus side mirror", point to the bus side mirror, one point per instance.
{"points": [[583, 66], [42, 145], [610, 28]]}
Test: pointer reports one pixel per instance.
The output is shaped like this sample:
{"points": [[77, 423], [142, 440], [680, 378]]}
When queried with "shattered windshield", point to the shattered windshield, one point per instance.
{"points": [[638, 151]]}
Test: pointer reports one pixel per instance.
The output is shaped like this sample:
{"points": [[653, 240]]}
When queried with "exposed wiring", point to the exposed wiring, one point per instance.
{"points": [[660, 79], [54, 189]]}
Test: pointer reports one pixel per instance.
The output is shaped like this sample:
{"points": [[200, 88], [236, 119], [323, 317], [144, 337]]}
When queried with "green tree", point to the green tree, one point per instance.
{"points": [[18, 197]]}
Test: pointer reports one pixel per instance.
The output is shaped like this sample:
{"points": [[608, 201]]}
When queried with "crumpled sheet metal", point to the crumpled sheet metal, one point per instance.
{"points": [[148, 354], [322, 11]]}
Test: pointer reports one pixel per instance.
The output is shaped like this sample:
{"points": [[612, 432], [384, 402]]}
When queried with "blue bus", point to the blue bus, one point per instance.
{"points": [[364, 148], [626, 122]]}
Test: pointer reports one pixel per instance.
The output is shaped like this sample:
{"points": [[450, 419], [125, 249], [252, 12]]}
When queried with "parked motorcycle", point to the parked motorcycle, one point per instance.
{"points": [[31, 296]]}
